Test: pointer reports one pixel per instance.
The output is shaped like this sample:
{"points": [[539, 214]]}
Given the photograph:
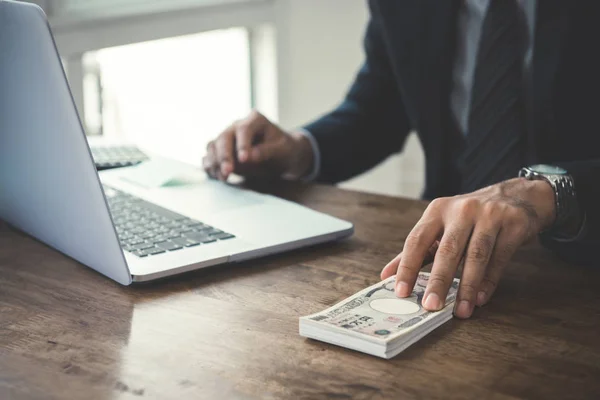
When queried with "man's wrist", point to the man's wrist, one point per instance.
{"points": [[544, 201]]}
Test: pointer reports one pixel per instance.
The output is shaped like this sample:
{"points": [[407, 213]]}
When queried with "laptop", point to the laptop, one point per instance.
{"points": [[50, 189]]}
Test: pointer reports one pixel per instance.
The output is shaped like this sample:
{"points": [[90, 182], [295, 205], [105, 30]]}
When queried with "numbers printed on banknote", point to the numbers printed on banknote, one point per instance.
{"points": [[378, 312]]}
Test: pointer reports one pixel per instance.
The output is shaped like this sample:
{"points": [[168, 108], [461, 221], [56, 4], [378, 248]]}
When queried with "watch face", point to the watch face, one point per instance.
{"points": [[547, 169]]}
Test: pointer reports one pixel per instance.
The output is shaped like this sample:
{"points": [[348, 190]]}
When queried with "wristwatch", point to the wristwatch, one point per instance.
{"points": [[568, 216]]}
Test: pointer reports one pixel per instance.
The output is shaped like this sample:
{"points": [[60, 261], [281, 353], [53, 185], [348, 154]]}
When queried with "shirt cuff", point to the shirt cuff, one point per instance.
{"points": [[316, 167]]}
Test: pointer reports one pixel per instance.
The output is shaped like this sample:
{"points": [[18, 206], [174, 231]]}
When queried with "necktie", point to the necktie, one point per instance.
{"points": [[494, 142]]}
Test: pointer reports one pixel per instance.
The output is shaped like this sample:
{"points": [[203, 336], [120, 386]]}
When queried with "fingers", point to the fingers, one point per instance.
{"points": [[224, 148], [246, 133], [268, 150], [210, 164], [479, 252], [506, 246], [391, 267], [251, 140], [416, 248], [447, 259], [482, 230], [219, 159]]}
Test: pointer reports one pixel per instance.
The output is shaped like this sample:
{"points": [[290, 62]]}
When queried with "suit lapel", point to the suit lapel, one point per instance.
{"points": [[551, 27]]}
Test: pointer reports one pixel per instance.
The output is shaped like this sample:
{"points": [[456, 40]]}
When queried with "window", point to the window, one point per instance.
{"points": [[169, 96]]}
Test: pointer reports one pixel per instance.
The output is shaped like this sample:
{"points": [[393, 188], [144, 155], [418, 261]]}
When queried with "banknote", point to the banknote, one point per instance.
{"points": [[377, 312]]}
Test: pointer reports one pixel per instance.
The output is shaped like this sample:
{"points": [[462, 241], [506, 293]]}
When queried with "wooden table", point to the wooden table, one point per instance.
{"points": [[232, 332]]}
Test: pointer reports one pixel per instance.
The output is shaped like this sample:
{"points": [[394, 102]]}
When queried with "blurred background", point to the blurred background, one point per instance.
{"points": [[169, 75]]}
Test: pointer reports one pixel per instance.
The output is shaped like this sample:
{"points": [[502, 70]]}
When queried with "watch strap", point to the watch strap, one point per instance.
{"points": [[567, 206]]}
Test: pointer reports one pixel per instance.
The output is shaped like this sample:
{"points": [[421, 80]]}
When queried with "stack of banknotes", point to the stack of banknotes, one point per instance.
{"points": [[376, 321]]}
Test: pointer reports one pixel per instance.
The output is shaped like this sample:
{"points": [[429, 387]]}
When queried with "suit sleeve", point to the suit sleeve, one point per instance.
{"points": [[369, 125], [582, 250]]}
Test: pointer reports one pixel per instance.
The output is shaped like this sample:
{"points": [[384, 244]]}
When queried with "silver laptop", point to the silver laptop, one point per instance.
{"points": [[49, 187]]}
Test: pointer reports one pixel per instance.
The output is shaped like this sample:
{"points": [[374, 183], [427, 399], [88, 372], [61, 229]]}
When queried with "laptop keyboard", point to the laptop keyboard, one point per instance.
{"points": [[106, 157], [146, 229]]}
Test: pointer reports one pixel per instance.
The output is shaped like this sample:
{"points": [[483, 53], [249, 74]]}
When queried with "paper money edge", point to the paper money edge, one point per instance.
{"points": [[382, 351], [443, 320], [306, 321]]}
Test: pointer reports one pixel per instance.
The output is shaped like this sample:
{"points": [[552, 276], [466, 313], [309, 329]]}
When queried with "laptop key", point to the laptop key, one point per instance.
{"points": [[169, 246], [134, 241], [223, 236], [200, 237], [139, 253], [152, 251], [143, 246], [193, 224], [163, 212], [160, 239], [185, 242]]}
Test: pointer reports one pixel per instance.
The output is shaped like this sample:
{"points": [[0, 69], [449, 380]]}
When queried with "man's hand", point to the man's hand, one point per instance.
{"points": [[482, 229], [256, 147]]}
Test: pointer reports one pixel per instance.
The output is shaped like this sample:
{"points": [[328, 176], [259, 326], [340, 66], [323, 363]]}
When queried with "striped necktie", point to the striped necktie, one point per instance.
{"points": [[494, 144]]}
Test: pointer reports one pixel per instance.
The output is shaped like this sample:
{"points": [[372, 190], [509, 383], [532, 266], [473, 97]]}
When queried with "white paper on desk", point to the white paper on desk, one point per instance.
{"points": [[160, 172]]}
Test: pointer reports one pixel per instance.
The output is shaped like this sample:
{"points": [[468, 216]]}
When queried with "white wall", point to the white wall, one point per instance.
{"points": [[320, 51]]}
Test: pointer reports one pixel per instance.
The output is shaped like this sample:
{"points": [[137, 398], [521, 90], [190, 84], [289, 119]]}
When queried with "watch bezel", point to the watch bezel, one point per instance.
{"points": [[546, 169]]}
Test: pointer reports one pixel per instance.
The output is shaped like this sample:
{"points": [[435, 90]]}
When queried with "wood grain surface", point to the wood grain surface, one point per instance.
{"points": [[231, 332]]}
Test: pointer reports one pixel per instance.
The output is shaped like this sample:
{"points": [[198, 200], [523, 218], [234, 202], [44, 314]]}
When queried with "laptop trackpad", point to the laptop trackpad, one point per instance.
{"points": [[210, 197]]}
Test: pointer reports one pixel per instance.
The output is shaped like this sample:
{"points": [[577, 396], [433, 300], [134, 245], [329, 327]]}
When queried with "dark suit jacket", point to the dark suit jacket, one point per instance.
{"points": [[405, 84]]}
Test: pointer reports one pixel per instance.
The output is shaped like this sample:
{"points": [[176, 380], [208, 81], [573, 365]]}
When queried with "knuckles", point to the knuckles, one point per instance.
{"points": [[254, 116], [493, 209], [514, 216], [481, 250], [506, 252], [438, 280], [449, 247], [438, 204], [489, 285], [467, 207], [415, 239], [468, 291], [245, 124]]}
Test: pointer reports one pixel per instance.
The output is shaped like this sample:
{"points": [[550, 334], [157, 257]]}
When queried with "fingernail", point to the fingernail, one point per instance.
{"points": [[464, 309], [226, 168], [243, 155], [432, 302], [480, 298], [402, 289]]}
